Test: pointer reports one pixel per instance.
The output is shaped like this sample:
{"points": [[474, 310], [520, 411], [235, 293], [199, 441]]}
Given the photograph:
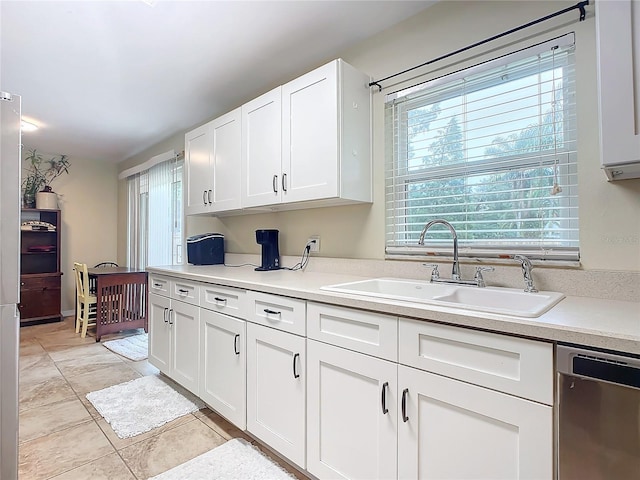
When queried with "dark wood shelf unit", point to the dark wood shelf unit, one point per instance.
{"points": [[40, 275]]}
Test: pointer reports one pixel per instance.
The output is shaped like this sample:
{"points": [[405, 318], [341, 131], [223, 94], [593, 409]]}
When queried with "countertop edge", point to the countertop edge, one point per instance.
{"points": [[606, 324]]}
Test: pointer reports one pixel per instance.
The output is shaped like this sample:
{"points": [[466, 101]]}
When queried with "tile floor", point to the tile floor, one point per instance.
{"points": [[63, 437]]}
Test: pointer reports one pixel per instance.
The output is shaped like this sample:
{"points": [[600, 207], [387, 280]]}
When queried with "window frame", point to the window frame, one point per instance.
{"points": [[399, 177]]}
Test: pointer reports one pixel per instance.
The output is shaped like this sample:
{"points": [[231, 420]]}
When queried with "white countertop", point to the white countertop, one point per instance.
{"points": [[608, 324]]}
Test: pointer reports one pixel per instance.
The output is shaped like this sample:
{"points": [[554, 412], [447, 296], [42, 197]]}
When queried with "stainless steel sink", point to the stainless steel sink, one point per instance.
{"points": [[507, 301]]}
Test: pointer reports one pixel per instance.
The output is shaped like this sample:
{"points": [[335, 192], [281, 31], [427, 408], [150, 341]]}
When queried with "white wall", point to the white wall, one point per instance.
{"points": [[88, 202], [609, 219]]}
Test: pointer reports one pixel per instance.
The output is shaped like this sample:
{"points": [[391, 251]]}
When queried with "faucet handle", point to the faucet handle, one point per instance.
{"points": [[435, 274], [478, 276]]}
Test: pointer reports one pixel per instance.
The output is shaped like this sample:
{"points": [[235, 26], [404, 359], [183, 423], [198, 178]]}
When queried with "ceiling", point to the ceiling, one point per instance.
{"points": [[105, 80]]}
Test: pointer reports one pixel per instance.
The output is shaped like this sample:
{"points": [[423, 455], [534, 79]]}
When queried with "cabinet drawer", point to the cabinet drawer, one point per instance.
{"points": [[231, 301], [40, 283], [283, 313], [159, 284], [512, 365], [371, 333], [185, 291]]}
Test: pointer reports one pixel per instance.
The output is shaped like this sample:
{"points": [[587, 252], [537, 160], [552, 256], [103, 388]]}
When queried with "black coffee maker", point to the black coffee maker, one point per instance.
{"points": [[270, 253]]}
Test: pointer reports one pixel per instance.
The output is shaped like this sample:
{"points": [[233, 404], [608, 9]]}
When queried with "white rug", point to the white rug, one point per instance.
{"points": [[135, 347], [142, 404], [234, 460]]}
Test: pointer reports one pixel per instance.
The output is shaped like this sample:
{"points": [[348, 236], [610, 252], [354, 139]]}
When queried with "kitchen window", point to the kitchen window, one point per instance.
{"points": [[155, 230], [492, 150]]}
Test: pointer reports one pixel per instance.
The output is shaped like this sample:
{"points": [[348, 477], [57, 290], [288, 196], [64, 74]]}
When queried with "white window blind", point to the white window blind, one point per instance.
{"points": [[492, 150], [155, 215]]}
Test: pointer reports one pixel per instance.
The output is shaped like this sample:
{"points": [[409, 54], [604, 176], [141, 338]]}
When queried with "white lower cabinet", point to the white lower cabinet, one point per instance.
{"points": [[385, 397], [276, 390], [174, 339], [351, 414], [159, 333], [449, 429], [222, 372]]}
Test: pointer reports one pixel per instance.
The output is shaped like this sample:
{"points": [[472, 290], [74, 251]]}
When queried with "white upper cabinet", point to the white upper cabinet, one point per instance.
{"points": [[198, 150], [319, 151], [261, 150], [226, 161], [212, 165], [618, 53]]}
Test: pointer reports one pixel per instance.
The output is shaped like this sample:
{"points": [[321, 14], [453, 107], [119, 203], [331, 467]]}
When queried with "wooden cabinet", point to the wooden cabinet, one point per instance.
{"points": [[222, 372], [212, 166], [309, 141], [276, 390], [452, 429], [40, 275], [618, 56], [352, 411], [174, 340]]}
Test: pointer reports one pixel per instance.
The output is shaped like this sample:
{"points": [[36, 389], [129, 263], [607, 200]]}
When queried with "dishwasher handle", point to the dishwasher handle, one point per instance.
{"points": [[593, 364]]}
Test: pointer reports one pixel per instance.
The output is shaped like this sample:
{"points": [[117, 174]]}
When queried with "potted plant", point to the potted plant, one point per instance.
{"points": [[40, 172]]}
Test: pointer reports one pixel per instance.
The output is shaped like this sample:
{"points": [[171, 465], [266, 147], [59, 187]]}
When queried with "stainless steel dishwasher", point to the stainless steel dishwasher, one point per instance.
{"points": [[598, 415]]}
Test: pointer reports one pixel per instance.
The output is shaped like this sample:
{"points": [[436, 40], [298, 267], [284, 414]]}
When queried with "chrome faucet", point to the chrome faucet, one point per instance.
{"points": [[526, 272], [478, 280], [455, 271]]}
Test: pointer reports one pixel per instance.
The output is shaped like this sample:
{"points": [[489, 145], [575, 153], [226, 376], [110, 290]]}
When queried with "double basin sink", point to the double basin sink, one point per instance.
{"points": [[505, 301]]}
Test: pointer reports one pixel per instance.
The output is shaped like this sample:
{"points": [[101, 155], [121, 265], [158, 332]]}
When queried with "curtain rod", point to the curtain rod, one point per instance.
{"points": [[580, 5]]}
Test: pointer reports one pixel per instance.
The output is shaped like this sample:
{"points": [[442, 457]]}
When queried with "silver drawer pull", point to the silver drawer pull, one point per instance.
{"points": [[271, 312], [157, 285], [182, 290], [218, 299]]}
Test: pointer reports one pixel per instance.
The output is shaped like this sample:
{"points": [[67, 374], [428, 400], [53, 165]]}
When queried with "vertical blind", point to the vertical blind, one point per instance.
{"points": [[492, 150], [155, 215]]}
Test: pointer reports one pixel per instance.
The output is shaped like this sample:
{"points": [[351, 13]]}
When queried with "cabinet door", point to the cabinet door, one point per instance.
{"points": [[159, 333], [226, 161], [276, 390], [351, 414], [310, 135], [617, 25], [455, 430], [184, 320], [262, 150], [198, 153], [222, 373]]}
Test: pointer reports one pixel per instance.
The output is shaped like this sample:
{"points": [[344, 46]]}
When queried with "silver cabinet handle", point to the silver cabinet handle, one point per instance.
{"points": [[157, 285], [275, 184], [204, 197], [218, 299], [164, 315], [182, 290], [272, 312], [170, 322], [209, 196], [284, 182]]}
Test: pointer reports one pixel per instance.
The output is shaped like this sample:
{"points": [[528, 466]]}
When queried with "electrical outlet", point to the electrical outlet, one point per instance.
{"points": [[315, 247]]}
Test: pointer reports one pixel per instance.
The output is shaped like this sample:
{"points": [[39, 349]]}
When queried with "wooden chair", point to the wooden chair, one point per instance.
{"points": [[86, 302], [105, 264]]}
